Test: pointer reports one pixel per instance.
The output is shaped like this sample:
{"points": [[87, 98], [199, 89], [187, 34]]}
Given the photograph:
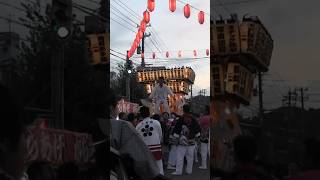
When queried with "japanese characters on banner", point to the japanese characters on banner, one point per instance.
{"points": [[57, 146], [127, 107]]}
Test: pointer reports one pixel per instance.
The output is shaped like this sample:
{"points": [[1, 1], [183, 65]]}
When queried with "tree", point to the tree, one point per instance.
{"points": [[118, 84], [81, 84]]}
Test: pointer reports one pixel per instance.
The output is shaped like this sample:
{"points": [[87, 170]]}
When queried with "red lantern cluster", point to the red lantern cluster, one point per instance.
{"points": [[172, 5]]}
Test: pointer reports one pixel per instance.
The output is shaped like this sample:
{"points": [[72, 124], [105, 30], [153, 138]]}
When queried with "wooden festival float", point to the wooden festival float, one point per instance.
{"points": [[240, 50], [179, 80]]}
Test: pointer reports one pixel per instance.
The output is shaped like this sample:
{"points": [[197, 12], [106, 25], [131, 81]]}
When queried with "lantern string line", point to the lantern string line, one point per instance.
{"points": [[182, 2]]}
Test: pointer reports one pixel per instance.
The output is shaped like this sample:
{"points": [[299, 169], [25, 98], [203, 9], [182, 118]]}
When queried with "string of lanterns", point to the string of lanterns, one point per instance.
{"points": [[179, 54], [146, 20]]}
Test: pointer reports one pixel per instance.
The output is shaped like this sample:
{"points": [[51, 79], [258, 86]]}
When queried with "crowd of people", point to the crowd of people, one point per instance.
{"points": [[171, 138]]}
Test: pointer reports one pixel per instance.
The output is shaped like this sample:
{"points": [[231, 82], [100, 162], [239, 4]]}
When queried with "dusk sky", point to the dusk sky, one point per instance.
{"points": [[176, 33], [294, 26]]}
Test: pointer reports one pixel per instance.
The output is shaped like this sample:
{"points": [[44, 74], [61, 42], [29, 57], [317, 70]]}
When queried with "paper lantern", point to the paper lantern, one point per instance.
{"points": [[142, 55], [172, 5], [129, 54], [151, 5], [153, 55], [186, 11], [167, 54], [194, 53], [146, 17], [179, 54], [143, 26], [201, 17], [207, 52], [140, 33]]}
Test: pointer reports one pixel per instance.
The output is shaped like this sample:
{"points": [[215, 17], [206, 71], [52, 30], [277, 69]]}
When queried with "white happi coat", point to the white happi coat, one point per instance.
{"points": [[151, 133], [160, 95]]}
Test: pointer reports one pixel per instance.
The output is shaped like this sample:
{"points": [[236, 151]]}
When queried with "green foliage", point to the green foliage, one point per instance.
{"points": [[118, 84]]}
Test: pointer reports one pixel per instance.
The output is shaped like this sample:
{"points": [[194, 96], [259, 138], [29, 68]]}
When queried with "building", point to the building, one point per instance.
{"points": [[9, 51]]}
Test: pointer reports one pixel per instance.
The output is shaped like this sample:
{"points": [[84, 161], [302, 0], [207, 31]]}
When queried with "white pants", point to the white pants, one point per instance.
{"points": [[196, 150], [172, 155], [165, 106], [188, 152], [160, 165], [204, 154]]}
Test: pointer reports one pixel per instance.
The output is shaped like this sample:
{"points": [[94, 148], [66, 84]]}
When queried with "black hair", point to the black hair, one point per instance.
{"points": [[131, 117], [12, 126], [156, 117], [68, 171], [40, 170], [245, 148], [186, 108], [161, 77], [122, 115], [144, 111]]}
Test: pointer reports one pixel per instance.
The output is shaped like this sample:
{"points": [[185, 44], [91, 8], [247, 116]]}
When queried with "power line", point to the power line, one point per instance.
{"points": [[123, 25], [114, 8], [123, 19]]}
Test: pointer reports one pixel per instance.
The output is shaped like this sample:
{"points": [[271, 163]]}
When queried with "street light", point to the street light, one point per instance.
{"points": [[129, 71]]}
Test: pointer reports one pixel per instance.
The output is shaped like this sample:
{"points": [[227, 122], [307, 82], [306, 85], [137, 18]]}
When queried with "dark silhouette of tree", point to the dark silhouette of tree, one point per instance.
{"points": [[118, 84], [85, 86]]}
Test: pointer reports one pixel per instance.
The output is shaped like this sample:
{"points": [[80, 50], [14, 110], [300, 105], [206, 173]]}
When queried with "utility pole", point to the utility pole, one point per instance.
{"points": [[260, 96], [289, 96], [143, 64], [303, 97]]}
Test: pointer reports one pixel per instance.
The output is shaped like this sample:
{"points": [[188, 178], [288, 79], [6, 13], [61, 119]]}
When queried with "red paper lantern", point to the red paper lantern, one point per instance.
{"points": [[201, 17], [153, 55], [207, 52], [194, 52], [167, 54], [140, 33], [146, 16], [151, 5], [172, 5], [179, 54], [129, 54], [142, 55], [186, 11], [143, 26]]}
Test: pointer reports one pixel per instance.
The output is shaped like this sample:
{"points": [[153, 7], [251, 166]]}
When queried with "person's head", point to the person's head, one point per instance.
{"points": [[186, 109], [144, 112], [39, 170], [12, 140], [165, 116], [245, 149], [161, 81], [122, 116], [156, 117], [131, 118], [68, 171]]}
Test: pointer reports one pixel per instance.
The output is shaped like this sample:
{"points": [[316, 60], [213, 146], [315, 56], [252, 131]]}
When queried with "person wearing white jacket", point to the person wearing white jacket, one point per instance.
{"points": [[160, 94], [151, 133]]}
